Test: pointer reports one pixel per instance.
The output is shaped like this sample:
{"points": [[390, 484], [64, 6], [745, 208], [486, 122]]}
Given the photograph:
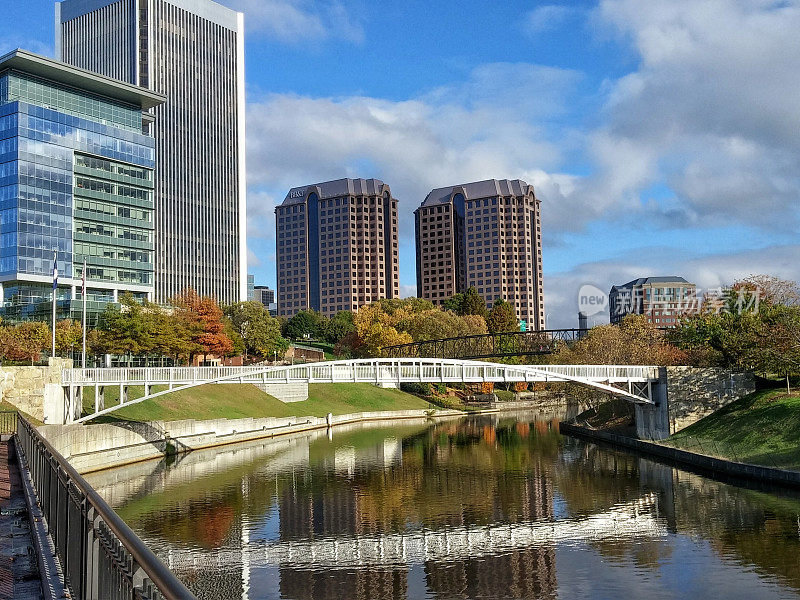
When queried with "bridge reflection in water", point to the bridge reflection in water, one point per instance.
{"points": [[461, 509]]}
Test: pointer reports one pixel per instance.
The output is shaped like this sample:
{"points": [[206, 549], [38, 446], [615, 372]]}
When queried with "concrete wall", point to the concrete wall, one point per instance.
{"points": [[285, 392], [695, 393], [94, 447], [24, 386]]}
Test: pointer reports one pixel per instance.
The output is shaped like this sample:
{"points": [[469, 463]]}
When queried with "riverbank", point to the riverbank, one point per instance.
{"points": [[235, 401], [95, 447], [694, 461], [762, 428]]}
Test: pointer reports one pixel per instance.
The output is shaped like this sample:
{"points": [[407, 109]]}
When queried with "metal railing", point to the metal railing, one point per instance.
{"points": [[8, 421], [101, 557]]}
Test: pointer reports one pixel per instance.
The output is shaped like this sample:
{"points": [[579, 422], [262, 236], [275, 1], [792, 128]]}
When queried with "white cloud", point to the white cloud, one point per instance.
{"points": [[710, 111], [454, 134], [547, 16], [300, 21]]}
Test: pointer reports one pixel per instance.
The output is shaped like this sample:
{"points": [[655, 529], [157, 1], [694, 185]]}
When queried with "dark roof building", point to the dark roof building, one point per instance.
{"points": [[337, 246], [485, 235], [661, 299]]}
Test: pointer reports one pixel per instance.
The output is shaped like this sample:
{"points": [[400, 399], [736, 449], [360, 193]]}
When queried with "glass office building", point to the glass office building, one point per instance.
{"points": [[76, 178]]}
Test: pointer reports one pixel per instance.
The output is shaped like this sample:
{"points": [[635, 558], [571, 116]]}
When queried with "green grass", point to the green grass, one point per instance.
{"points": [[762, 428], [234, 401]]}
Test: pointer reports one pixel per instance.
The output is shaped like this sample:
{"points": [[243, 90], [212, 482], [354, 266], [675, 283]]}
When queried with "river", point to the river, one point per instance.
{"points": [[498, 506]]}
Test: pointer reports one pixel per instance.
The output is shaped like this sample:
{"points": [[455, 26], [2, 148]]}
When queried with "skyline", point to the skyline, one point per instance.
{"points": [[662, 140]]}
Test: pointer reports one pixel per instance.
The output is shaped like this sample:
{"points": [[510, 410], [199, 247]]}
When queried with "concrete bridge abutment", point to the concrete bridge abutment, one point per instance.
{"points": [[652, 420]]}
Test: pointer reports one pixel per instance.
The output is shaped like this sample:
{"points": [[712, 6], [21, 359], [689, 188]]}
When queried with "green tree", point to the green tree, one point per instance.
{"points": [[126, 329], [502, 317], [260, 332], [473, 303], [455, 303], [339, 326], [306, 323]]}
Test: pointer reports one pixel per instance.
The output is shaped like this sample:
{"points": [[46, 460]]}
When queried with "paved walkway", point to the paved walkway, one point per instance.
{"points": [[19, 572]]}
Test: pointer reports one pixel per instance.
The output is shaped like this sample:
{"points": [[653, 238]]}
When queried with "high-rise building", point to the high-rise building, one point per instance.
{"points": [[661, 299], [191, 51], [336, 246], [485, 235], [76, 177], [264, 295], [251, 287]]}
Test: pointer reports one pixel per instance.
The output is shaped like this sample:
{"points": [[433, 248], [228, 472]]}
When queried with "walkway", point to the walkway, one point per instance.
{"points": [[19, 571]]}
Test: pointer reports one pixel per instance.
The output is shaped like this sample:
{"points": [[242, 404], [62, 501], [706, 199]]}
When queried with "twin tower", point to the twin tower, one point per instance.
{"points": [[337, 246]]}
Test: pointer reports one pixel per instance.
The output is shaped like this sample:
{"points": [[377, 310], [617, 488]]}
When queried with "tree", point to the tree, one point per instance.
{"points": [[455, 303], [376, 328], [260, 333], [771, 290], [69, 336], [502, 317], [779, 341], [127, 329], [306, 323], [201, 316], [25, 341], [339, 326], [435, 324], [634, 341], [473, 304]]}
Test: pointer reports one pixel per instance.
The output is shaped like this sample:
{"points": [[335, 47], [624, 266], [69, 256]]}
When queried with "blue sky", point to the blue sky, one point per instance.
{"points": [[662, 137]]}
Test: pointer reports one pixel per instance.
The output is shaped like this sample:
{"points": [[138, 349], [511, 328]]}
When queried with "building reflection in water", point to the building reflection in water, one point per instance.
{"points": [[367, 507]]}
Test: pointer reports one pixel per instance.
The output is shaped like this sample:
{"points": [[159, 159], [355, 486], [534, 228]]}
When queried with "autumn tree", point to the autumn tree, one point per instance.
{"points": [[635, 341], [69, 336], [201, 318], [25, 341]]}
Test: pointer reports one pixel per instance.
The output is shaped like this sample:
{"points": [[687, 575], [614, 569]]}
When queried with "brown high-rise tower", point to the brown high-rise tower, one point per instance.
{"points": [[336, 246], [486, 235]]}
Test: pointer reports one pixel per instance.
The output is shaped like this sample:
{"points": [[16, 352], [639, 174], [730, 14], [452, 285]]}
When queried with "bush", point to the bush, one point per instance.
{"points": [[418, 389]]}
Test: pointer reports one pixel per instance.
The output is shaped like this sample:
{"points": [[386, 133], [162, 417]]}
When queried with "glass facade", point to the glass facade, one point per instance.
{"points": [[76, 177]]}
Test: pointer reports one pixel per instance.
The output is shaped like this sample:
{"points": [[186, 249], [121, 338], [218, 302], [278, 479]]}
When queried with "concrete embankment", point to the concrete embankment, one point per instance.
{"points": [[101, 446], [701, 462]]}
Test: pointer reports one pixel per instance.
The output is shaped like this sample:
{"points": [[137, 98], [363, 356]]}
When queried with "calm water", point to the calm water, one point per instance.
{"points": [[500, 507]]}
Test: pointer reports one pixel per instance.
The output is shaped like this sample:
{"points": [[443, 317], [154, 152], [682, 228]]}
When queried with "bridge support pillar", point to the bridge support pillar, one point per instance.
{"points": [[99, 397], [55, 404], [652, 420]]}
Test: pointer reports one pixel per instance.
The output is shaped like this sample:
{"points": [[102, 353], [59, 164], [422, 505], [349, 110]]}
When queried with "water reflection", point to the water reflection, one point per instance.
{"points": [[484, 507]]}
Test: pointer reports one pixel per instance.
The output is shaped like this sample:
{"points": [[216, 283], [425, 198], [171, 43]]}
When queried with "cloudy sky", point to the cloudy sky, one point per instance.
{"points": [[663, 138]]}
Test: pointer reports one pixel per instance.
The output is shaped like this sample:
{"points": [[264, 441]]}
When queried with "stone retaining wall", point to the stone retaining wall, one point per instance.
{"points": [[695, 393], [24, 386]]}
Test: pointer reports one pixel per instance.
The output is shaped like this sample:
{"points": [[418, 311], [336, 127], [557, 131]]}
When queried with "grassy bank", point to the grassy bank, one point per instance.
{"points": [[234, 401], [762, 428]]}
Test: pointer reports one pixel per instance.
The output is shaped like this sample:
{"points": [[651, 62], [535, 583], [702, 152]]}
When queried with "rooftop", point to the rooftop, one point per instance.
{"points": [[489, 188], [79, 79], [337, 189], [652, 280]]}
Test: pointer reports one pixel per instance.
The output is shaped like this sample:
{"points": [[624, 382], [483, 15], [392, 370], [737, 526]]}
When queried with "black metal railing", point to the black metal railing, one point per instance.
{"points": [[491, 345], [101, 557], [8, 421]]}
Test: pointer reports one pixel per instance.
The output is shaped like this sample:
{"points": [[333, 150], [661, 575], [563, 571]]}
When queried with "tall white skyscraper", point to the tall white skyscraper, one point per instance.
{"points": [[191, 51]]}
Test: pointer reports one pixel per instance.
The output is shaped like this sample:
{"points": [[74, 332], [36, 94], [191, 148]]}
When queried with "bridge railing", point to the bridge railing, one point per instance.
{"points": [[408, 369], [101, 557]]}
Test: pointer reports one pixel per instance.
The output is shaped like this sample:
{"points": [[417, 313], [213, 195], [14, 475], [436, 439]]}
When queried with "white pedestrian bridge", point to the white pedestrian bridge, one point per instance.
{"points": [[633, 383]]}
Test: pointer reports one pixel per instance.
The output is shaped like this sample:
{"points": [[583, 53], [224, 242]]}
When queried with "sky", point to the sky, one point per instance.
{"points": [[663, 138]]}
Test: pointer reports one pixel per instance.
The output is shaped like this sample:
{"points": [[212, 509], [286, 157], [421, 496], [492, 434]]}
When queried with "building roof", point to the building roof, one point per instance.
{"points": [[337, 189], [651, 280], [490, 188], [80, 79], [206, 9]]}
